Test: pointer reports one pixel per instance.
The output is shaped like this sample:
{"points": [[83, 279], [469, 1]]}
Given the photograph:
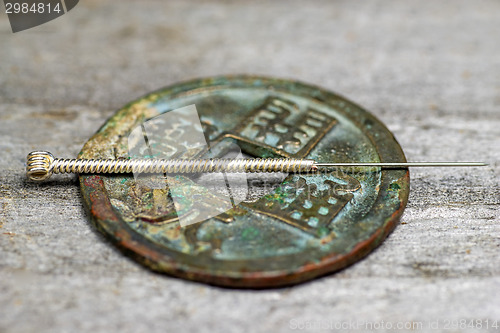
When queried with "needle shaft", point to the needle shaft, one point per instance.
{"points": [[401, 164]]}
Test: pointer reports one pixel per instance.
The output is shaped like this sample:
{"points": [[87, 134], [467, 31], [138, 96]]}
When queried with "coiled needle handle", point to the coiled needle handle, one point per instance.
{"points": [[42, 164]]}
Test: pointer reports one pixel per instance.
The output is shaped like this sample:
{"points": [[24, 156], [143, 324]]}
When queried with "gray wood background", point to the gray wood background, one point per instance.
{"points": [[430, 70]]}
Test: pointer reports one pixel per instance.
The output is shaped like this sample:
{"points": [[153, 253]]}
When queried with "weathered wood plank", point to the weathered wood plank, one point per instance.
{"points": [[429, 70]]}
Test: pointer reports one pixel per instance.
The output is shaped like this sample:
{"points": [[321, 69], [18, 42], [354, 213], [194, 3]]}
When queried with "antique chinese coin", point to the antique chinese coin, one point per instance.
{"points": [[285, 229]]}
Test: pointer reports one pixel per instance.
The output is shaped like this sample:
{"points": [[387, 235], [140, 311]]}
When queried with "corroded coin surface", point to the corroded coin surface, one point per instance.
{"points": [[289, 229]]}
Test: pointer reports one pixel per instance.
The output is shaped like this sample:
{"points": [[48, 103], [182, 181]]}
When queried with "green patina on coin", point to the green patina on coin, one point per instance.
{"points": [[305, 226]]}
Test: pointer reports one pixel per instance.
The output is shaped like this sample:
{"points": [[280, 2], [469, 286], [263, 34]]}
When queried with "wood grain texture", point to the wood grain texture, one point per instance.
{"points": [[429, 70]]}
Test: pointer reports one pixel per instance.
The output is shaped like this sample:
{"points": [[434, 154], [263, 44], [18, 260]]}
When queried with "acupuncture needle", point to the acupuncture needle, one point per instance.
{"points": [[42, 164]]}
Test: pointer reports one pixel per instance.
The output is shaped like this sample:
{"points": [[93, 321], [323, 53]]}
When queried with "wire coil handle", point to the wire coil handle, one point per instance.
{"points": [[42, 164]]}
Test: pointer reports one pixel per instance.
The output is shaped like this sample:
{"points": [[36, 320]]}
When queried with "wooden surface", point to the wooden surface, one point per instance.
{"points": [[429, 70]]}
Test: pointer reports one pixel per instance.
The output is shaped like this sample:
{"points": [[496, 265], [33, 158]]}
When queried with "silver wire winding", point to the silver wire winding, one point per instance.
{"points": [[41, 165]]}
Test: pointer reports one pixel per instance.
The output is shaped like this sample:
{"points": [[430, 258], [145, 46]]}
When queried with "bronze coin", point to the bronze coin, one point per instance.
{"points": [[302, 227]]}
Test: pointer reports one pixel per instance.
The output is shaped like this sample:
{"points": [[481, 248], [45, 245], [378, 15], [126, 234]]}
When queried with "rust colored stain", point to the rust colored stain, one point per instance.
{"points": [[99, 202]]}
